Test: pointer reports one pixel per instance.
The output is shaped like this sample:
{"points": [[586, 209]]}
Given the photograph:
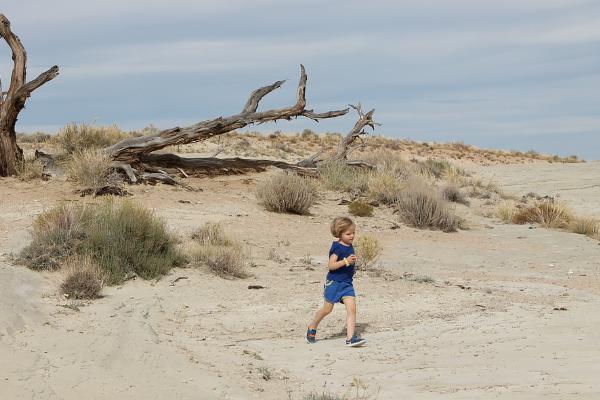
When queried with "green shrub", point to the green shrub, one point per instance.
{"points": [[423, 207], [360, 208], [286, 193], [120, 236]]}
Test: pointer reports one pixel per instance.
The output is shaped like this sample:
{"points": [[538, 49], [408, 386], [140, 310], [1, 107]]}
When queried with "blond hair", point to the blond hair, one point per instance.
{"points": [[340, 225]]}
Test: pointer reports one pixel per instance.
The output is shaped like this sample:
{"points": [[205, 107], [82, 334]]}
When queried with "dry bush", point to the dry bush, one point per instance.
{"points": [[436, 168], [506, 211], [77, 137], [423, 207], [83, 280], [55, 234], [368, 249], [547, 214], [360, 208], [211, 233], [585, 226], [453, 194], [121, 236], [286, 193], [384, 186], [223, 256], [390, 162], [29, 169], [90, 168], [341, 177]]}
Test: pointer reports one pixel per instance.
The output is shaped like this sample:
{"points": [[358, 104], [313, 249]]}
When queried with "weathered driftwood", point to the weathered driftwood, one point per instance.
{"points": [[132, 150], [13, 100]]}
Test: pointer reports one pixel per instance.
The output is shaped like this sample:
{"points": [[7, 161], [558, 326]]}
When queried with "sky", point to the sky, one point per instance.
{"points": [[510, 74]]}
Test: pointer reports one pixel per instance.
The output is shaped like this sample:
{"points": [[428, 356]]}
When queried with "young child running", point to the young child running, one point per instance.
{"points": [[338, 285]]}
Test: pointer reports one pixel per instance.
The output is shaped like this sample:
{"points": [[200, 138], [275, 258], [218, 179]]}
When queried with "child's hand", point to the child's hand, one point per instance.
{"points": [[351, 259]]}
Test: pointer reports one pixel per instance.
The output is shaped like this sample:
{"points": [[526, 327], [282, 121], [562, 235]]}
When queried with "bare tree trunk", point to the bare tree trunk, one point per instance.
{"points": [[13, 101]]}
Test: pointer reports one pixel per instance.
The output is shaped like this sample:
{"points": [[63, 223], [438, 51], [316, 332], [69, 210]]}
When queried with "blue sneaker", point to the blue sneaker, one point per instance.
{"points": [[311, 336], [355, 341]]}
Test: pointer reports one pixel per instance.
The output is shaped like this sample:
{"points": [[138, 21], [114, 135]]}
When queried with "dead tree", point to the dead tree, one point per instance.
{"points": [[134, 155], [13, 100]]}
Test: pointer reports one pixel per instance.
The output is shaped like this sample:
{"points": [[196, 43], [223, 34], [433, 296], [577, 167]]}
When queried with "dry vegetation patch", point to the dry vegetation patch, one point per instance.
{"points": [[368, 249], [423, 207], [286, 193], [222, 255], [83, 279], [120, 236]]}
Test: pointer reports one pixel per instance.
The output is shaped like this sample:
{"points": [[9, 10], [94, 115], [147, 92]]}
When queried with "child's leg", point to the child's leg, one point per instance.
{"points": [[350, 304], [320, 314]]}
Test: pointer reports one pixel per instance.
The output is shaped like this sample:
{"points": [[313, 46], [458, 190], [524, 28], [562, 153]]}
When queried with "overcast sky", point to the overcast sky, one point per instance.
{"points": [[510, 74]]}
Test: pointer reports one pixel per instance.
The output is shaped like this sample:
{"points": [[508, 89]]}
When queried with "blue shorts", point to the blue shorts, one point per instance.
{"points": [[335, 291]]}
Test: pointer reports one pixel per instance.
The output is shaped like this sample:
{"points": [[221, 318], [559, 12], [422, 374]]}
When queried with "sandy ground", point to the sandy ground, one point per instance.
{"points": [[512, 314]]}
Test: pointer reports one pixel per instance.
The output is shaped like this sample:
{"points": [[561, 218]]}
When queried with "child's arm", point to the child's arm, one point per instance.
{"points": [[335, 264]]}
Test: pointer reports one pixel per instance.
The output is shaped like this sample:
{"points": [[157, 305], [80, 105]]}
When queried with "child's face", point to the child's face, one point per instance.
{"points": [[347, 236]]}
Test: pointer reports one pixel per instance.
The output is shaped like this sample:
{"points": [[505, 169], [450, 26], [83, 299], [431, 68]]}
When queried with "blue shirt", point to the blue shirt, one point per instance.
{"points": [[345, 273]]}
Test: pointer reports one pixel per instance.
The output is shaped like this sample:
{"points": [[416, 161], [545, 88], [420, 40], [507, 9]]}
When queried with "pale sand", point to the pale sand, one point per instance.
{"points": [[207, 338]]}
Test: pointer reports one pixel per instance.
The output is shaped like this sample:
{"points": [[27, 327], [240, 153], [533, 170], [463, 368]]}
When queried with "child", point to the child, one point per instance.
{"points": [[338, 286]]}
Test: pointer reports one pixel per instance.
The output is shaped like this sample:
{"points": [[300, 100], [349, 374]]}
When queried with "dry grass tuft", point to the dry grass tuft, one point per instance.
{"points": [[286, 193], [547, 214], [211, 233], [90, 168], [506, 211], [360, 208], [83, 280], [340, 177], [453, 194], [213, 249], [384, 186], [423, 207], [29, 169], [368, 249], [585, 226], [78, 137]]}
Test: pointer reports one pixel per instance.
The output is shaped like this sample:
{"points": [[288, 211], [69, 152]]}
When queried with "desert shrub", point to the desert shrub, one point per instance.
{"points": [[121, 237], [55, 234], [211, 233], [423, 207], [384, 186], [547, 214], [223, 261], [286, 193], [341, 177], [77, 137], [368, 249], [453, 194], [309, 134], [125, 237], [360, 208], [223, 256], [90, 168], [29, 169], [437, 168], [506, 211], [585, 226], [83, 280]]}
